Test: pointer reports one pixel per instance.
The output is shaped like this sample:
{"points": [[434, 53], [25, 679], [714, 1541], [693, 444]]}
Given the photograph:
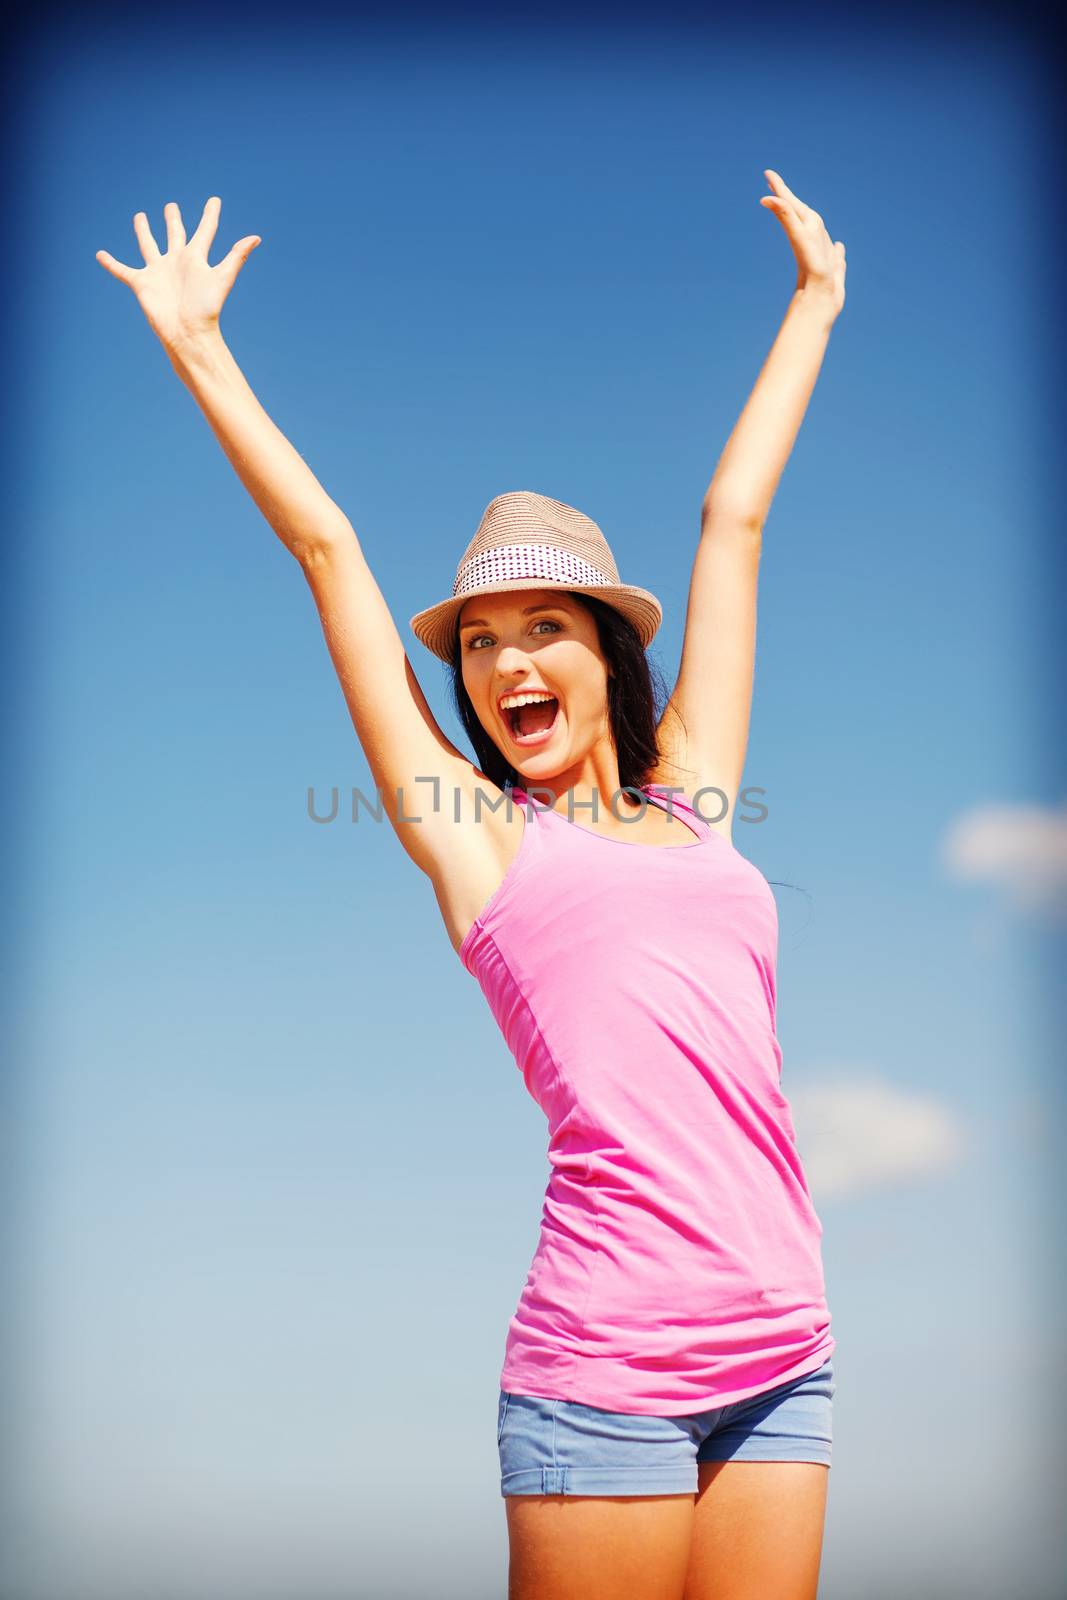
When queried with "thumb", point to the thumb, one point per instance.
{"points": [[231, 264], [783, 211]]}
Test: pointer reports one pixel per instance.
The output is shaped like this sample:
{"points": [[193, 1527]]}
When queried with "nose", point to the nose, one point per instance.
{"points": [[512, 671], [512, 659]]}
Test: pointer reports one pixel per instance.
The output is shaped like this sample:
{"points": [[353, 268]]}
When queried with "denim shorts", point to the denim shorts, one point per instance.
{"points": [[562, 1447]]}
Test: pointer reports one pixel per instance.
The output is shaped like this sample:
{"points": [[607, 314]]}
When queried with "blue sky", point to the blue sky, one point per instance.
{"points": [[277, 1181]]}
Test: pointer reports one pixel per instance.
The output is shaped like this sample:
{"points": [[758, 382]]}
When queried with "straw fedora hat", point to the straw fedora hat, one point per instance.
{"points": [[529, 541]]}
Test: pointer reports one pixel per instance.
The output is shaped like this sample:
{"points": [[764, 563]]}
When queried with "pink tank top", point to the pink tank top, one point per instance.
{"points": [[679, 1265]]}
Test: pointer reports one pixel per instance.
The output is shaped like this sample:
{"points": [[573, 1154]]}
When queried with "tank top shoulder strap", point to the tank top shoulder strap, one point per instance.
{"points": [[671, 798], [660, 793], [531, 804], [520, 799]]}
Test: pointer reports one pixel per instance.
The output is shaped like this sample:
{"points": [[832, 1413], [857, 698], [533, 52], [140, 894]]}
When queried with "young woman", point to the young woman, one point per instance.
{"points": [[664, 1410]]}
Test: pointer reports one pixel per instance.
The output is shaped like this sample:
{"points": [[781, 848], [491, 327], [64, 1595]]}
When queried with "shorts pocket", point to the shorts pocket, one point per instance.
{"points": [[501, 1413]]}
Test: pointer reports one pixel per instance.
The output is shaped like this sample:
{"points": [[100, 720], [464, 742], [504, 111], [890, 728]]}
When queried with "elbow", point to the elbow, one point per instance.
{"points": [[725, 520], [315, 547]]}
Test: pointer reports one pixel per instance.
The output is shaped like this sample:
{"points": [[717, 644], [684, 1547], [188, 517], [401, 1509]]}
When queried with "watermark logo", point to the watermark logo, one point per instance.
{"points": [[709, 803]]}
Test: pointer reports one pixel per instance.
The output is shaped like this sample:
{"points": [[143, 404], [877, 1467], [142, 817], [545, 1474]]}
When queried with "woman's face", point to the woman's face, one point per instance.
{"points": [[536, 639]]}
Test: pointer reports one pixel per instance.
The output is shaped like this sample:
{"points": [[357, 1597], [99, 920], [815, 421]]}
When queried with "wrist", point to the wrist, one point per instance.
{"points": [[818, 301], [190, 343], [196, 350]]}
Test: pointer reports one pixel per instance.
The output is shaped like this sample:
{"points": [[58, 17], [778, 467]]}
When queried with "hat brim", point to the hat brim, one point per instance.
{"points": [[435, 627]]}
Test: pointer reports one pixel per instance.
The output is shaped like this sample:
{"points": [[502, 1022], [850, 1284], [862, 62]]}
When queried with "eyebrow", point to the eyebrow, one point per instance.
{"points": [[480, 622]]}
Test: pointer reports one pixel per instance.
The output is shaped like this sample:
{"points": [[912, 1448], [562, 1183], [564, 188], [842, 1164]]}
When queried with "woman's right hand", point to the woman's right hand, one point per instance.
{"points": [[179, 293]]}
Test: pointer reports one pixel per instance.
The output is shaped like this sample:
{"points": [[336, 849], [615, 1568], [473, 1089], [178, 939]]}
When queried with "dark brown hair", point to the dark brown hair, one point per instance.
{"points": [[636, 697]]}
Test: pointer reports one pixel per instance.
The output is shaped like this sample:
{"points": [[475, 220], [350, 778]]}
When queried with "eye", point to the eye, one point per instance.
{"points": [[542, 622]]}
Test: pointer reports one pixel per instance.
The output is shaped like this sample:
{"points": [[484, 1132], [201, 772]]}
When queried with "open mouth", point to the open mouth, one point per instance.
{"points": [[532, 724]]}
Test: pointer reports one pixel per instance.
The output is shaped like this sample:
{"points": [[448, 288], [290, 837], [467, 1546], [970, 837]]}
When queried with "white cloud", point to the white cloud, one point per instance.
{"points": [[860, 1132], [1021, 850]]}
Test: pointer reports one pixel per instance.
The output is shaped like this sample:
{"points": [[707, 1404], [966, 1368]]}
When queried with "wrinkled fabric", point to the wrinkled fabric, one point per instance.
{"points": [[679, 1264]]}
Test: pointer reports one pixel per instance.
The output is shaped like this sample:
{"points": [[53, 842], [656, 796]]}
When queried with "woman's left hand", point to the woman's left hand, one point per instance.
{"points": [[820, 259]]}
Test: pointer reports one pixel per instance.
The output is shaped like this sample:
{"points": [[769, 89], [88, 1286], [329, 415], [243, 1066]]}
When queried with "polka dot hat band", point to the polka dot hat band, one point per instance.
{"points": [[528, 541]]}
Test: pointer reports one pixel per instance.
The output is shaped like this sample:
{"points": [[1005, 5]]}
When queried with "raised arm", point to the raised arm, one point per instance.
{"points": [[704, 728], [182, 297]]}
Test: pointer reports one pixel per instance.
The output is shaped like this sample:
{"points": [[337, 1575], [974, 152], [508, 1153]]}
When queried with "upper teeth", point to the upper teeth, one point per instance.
{"points": [[532, 697]]}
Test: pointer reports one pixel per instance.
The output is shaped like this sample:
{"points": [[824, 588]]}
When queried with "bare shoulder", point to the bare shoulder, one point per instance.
{"points": [[467, 859], [713, 802]]}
